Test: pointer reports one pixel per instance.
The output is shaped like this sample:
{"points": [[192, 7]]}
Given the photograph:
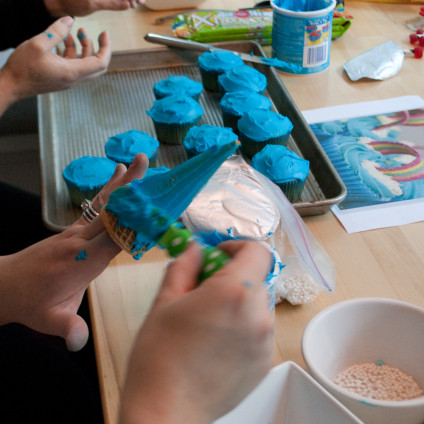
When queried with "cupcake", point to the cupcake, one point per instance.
{"points": [[242, 77], [177, 84], [212, 64], [199, 139], [173, 116], [235, 104], [124, 147], [283, 167], [259, 127], [86, 176]]}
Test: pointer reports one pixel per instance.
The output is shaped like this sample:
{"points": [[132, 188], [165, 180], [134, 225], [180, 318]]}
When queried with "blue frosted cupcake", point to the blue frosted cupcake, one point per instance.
{"points": [[199, 139], [283, 167], [212, 64], [173, 116], [258, 128], [177, 84], [236, 103], [86, 176], [124, 147], [242, 77]]}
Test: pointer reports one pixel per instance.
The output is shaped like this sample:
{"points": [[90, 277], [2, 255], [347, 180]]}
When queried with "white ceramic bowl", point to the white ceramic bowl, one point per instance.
{"points": [[171, 4], [368, 330], [288, 394]]}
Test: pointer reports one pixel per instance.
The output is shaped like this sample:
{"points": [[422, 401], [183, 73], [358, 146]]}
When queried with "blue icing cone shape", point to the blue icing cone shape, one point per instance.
{"points": [[149, 207]]}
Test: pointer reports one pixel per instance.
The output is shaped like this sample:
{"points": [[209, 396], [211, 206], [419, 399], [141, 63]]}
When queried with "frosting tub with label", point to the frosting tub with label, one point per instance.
{"points": [[303, 38]]}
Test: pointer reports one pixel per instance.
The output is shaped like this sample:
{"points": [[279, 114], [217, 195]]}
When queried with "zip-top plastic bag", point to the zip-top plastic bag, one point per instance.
{"points": [[309, 268]]}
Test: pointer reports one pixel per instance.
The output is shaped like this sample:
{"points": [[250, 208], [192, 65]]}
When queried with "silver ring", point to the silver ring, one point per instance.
{"points": [[89, 213]]}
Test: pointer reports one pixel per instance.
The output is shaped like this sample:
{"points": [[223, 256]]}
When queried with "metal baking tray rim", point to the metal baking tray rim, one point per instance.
{"points": [[145, 61]]}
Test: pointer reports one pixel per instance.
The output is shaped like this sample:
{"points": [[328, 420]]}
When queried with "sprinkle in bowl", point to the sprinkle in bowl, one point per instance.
{"points": [[366, 351]]}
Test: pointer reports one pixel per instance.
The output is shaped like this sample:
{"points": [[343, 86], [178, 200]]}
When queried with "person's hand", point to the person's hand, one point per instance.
{"points": [[201, 349], [58, 8], [42, 286], [33, 68]]}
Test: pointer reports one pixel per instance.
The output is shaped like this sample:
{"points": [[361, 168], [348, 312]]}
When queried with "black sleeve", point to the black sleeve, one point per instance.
{"points": [[21, 20]]}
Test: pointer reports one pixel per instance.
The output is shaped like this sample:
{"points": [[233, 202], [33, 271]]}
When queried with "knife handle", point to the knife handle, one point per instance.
{"points": [[176, 239], [177, 42]]}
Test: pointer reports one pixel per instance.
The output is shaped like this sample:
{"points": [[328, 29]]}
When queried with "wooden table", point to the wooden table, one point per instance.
{"points": [[382, 263]]}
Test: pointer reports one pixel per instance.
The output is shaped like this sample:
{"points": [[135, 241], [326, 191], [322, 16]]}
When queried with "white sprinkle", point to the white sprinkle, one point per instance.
{"points": [[214, 254], [176, 241], [378, 381], [297, 290]]}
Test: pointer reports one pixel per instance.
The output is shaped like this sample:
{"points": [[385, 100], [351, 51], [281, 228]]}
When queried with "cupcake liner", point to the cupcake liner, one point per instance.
{"points": [[230, 121], [173, 133], [161, 96], [191, 153], [292, 189], [77, 195], [250, 147], [209, 80], [152, 160]]}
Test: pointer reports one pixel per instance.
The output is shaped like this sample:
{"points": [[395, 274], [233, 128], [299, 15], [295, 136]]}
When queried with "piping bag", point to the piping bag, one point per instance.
{"points": [[144, 212]]}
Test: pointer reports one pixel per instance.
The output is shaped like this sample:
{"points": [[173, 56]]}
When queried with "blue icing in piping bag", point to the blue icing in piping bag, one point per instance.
{"points": [[144, 213]]}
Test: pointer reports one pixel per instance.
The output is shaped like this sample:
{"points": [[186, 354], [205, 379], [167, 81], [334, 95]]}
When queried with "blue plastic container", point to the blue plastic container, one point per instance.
{"points": [[303, 38]]}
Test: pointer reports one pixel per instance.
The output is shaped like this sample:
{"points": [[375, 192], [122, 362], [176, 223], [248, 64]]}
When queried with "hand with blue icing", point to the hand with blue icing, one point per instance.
{"points": [[42, 286], [34, 69], [19, 21], [216, 335]]}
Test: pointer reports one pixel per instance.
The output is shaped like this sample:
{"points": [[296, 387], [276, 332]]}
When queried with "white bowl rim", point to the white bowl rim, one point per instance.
{"points": [[362, 399]]}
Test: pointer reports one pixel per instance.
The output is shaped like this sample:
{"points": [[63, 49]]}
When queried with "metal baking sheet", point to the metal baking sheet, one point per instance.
{"points": [[79, 121]]}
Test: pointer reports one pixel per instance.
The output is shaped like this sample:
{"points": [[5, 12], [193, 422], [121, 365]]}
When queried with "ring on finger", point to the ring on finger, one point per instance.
{"points": [[89, 213]]}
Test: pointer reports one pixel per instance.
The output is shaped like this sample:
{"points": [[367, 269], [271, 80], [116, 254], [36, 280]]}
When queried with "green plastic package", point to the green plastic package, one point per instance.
{"points": [[342, 20], [225, 25], [208, 26]]}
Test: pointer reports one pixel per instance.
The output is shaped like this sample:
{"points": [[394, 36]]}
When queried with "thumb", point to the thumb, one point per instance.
{"points": [[56, 32], [182, 273], [77, 333]]}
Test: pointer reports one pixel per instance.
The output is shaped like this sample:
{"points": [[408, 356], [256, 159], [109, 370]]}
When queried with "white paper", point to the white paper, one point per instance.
{"points": [[380, 216], [355, 110], [383, 215]]}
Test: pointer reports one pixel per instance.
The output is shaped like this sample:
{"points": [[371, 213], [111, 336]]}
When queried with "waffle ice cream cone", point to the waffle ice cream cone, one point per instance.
{"points": [[122, 236]]}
